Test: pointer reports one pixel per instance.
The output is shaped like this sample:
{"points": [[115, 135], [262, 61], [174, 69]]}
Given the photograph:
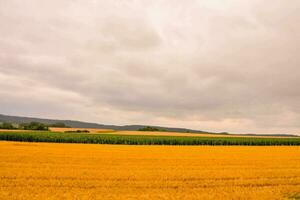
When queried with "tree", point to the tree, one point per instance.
{"points": [[6, 125], [34, 126], [149, 128], [59, 125]]}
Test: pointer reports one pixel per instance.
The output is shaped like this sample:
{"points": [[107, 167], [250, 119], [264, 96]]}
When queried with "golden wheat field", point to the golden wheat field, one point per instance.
{"points": [[84, 171]]}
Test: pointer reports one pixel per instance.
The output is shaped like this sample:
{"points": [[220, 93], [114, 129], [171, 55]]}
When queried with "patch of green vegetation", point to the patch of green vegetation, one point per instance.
{"points": [[47, 136], [59, 125], [7, 125], [34, 126], [25, 126], [78, 131], [149, 128]]}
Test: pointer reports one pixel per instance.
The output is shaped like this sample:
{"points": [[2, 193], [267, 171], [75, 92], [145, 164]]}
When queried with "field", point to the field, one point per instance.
{"points": [[87, 171], [34, 136], [91, 130], [157, 133]]}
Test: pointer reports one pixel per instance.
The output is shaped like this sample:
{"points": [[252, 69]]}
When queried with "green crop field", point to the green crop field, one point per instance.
{"points": [[55, 137]]}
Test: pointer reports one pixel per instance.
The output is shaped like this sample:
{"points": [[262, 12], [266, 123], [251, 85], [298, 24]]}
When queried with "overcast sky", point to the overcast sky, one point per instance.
{"points": [[215, 65]]}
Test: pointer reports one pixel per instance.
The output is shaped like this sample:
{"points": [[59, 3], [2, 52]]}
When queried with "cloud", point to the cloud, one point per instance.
{"points": [[213, 65]]}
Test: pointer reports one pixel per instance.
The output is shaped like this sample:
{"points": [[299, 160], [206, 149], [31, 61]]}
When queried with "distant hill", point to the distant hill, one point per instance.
{"points": [[80, 124]]}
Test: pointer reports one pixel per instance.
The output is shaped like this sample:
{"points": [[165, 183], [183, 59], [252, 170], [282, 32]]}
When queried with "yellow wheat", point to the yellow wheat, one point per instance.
{"points": [[84, 171]]}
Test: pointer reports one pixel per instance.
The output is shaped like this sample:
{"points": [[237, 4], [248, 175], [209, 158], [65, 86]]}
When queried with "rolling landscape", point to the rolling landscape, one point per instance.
{"points": [[144, 163], [79, 124], [147, 100]]}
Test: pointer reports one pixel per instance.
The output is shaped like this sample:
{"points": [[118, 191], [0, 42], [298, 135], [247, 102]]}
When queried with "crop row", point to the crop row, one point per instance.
{"points": [[141, 140]]}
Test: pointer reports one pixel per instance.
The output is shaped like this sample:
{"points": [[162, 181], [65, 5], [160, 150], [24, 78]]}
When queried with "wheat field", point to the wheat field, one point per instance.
{"points": [[87, 171]]}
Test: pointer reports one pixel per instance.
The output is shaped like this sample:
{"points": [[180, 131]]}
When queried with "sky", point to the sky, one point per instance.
{"points": [[214, 65]]}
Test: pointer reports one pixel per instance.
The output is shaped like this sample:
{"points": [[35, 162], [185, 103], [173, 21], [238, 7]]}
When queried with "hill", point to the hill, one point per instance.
{"points": [[80, 124]]}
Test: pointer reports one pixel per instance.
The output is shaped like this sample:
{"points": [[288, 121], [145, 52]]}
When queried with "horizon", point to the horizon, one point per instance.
{"points": [[154, 125], [205, 65]]}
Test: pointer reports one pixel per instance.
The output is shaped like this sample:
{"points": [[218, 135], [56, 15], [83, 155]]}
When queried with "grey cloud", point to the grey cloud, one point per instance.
{"points": [[215, 65]]}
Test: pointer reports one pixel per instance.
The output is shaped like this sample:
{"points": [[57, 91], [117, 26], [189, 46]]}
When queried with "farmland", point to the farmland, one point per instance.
{"points": [[162, 133], [35, 136], [89, 171]]}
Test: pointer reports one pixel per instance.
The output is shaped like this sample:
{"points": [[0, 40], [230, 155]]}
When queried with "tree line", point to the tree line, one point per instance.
{"points": [[31, 126], [150, 128]]}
